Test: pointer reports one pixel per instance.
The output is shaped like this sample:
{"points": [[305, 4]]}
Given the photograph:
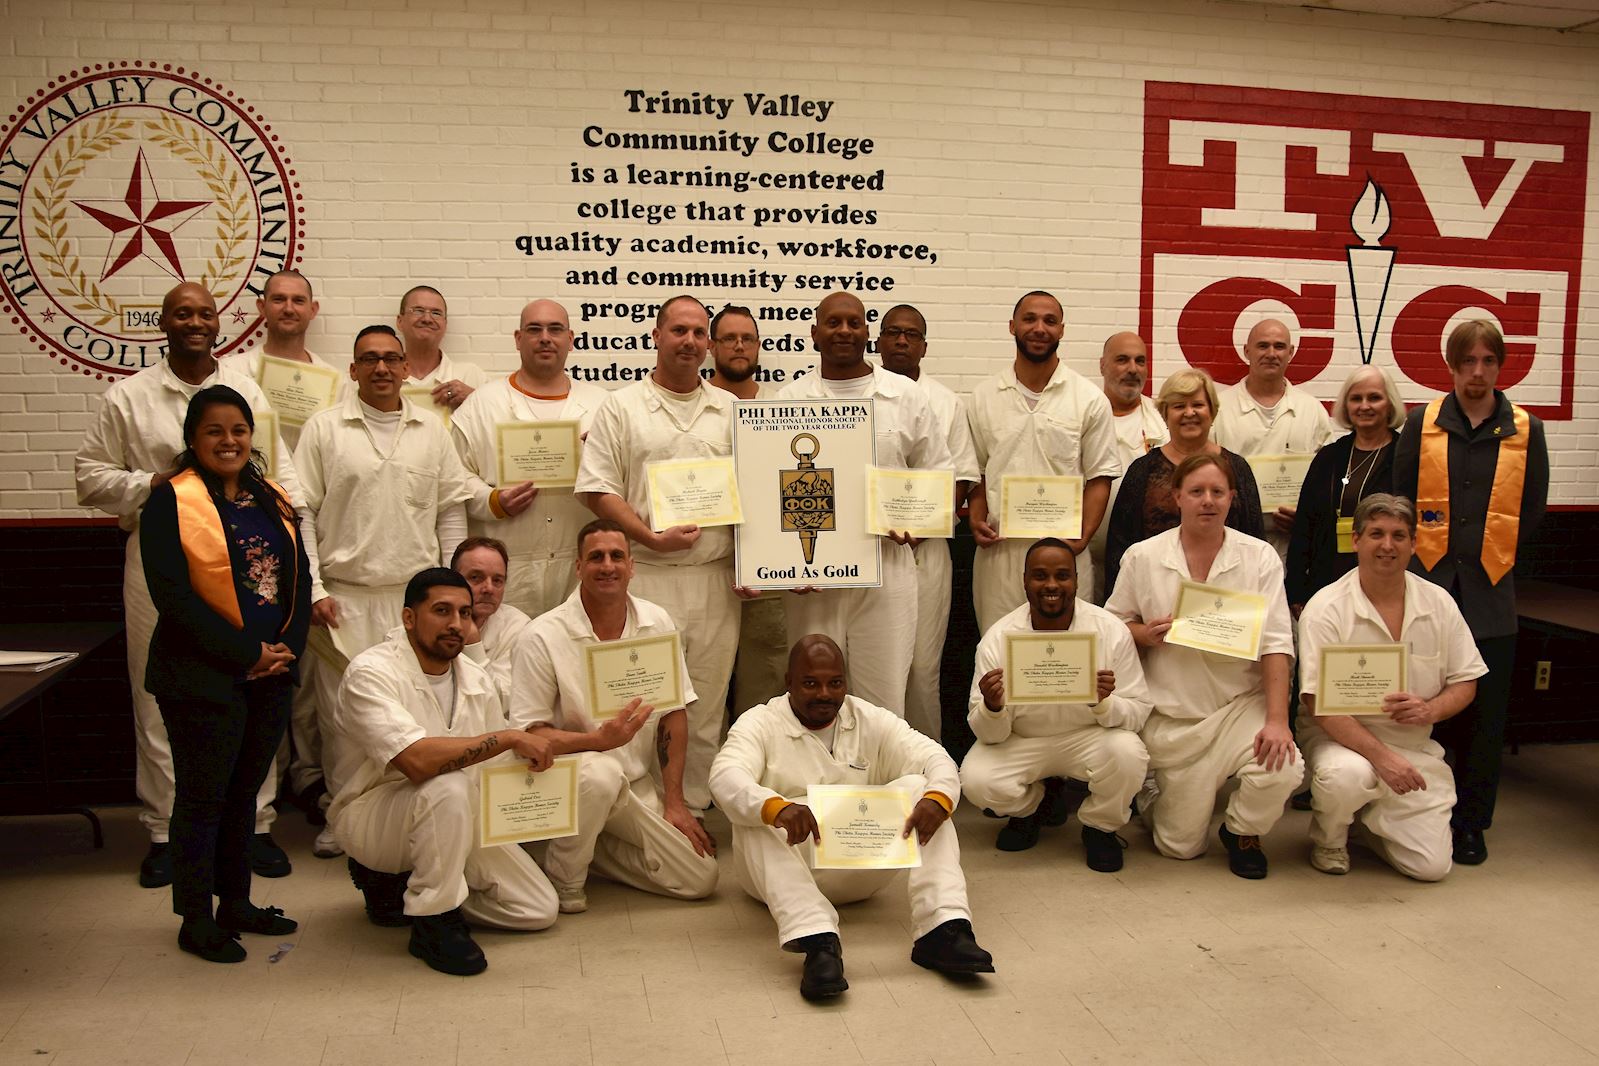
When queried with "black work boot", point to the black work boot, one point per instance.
{"points": [[443, 942], [824, 965], [385, 895]]}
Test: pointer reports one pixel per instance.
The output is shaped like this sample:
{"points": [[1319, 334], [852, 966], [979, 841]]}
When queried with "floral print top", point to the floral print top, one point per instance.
{"points": [[260, 550]]}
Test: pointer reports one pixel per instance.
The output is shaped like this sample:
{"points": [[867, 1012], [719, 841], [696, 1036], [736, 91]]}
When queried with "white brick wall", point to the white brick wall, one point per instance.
{"points": [[429, 136]]}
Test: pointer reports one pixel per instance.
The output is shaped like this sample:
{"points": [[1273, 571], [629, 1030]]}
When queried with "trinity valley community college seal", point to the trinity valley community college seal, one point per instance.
{"points": [[120, 180]]}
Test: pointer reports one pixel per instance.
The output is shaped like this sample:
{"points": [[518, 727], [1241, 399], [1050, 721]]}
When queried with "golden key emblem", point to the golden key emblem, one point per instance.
{"points": [[806, 495]]}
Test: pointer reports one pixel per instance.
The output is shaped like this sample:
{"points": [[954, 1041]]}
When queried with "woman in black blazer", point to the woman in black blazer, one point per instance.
{"points": [[232, 587], [1342, 474]]}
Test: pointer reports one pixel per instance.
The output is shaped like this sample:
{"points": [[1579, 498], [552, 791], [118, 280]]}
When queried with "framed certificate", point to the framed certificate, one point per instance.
{"points": [[297, 390], [1214, 619], [1045, 506], [545, 453], [1355, 677], [1051, 668], [1279, 478], [646, 668], [859, 828], [422, 396], [520, 805], [693, 492], [918, 502], [265, 440]]}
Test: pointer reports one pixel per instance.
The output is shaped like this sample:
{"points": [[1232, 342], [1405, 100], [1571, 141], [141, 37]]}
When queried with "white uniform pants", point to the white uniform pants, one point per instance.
{"points": [[997, 579], [1193, 758], [1412, 830], [801, 899], [700, 600], [365, 617], [924, 708], [152, 768], [537, 584], [1006, 778], [431, 830], [875, 628], [622, 836], [305, 768], [762, 652]]}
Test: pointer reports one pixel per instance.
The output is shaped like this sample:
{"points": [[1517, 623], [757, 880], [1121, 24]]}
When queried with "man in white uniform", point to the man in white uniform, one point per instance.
{"points": [[630, 829], [288, 308], [130, 448], [876, 627], [686, 570], [1038, 418], [384, 498], [423, 320], [901, 344], [818, 734], [1216, 716], [1123, 370], [1022, 747], [1386, 768], [762, 631], [500, 626], [1266, 414], [538, 524], [415, 719]]}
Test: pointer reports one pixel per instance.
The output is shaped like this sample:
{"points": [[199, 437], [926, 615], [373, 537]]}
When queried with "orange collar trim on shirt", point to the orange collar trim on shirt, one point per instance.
{"points": [[534, 395]]}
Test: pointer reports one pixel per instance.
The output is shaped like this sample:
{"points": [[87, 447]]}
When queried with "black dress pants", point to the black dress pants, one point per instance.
{"points": [[1475, 738]]}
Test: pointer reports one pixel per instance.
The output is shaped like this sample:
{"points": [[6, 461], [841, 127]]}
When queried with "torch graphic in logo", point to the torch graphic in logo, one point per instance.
{"points": [[806, 495], [1370, 264]]}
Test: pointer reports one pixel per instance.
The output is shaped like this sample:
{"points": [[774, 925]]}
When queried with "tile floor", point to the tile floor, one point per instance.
{"points": [[1166, 963]]}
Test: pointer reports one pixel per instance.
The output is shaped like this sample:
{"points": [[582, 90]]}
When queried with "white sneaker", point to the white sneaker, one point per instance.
{"points": [[571, 899], [1330, 860], [327, 845]]}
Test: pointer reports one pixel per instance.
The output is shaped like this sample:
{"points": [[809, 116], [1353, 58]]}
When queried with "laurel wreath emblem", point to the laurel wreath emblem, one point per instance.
{"points": [[60, 173], [234, 221]]}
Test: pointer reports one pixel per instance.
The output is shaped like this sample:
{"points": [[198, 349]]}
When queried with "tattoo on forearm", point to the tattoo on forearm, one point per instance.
{"points": [[471, 755], [663, 744]]}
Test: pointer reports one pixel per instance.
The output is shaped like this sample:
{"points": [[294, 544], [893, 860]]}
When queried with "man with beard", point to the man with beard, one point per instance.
{"points": [[1124, 368], [130, 449], [1024, 750], [288, 308], [537, 524], [876, 627], [818, 734], [1266, 414], [901, 344], [673, 414], [1039, 418], [423, 320], [418, 719]]}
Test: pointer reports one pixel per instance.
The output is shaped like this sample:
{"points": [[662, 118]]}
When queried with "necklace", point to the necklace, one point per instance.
{"points": [[1369, 463]]}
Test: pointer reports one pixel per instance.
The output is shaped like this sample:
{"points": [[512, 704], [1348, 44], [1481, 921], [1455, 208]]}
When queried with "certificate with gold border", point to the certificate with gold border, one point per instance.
{"points": [[920, 503], [860, 827], [520, 805], [693, 492], [422, 396], [1051, 668], [645, 668], [1279, 478], [1354, 678], [1221, 621], [265, 440], [545, 453], [297, 390], [1044, 506]]}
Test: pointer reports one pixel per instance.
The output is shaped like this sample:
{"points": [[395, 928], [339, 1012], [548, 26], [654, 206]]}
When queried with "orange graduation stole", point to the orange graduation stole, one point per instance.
{"points": [[205, 545], [1501, 526]]}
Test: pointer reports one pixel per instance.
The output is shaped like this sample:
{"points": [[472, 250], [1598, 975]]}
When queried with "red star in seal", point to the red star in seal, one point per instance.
{"points": [[238, 314], [49, 314], [148, 217]]}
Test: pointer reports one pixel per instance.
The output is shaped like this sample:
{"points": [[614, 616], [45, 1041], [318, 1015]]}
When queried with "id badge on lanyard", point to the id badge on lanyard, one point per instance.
{"points": [[1346, 536]]}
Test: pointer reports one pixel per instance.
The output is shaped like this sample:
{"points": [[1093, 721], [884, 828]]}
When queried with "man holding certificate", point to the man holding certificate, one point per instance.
{"points": [[415, 722], [875, 627], [432, 376], [1058, 692], [1206, 606], [1274, 424], [297, 380], [1041, 421], [519, 439], [630, 829], [817, 734], [685, 567], [1385, 655]]}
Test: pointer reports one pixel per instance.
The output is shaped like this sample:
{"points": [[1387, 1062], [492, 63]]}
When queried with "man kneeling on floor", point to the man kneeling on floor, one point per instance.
{"points": [[818, 734], [414, 720]]}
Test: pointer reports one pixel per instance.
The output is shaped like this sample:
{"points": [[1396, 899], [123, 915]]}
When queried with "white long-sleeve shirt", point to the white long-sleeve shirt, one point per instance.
{"points": [[908, 431], [500, 636], [1125, 708], [950, 412], [1298, 425]]}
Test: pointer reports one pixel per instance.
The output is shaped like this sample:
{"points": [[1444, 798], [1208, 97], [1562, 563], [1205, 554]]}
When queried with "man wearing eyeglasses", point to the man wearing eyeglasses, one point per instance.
{"points": [[385, 498], [422, 322], [901, 344], [538, 524]]}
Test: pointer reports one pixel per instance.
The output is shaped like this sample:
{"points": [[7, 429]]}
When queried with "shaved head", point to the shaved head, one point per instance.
{"points": [[816, 684]]}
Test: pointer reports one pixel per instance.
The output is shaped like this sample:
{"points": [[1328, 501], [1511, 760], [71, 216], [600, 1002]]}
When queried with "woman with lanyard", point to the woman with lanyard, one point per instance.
{"points": [[231, 585], [1344, 472]]}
